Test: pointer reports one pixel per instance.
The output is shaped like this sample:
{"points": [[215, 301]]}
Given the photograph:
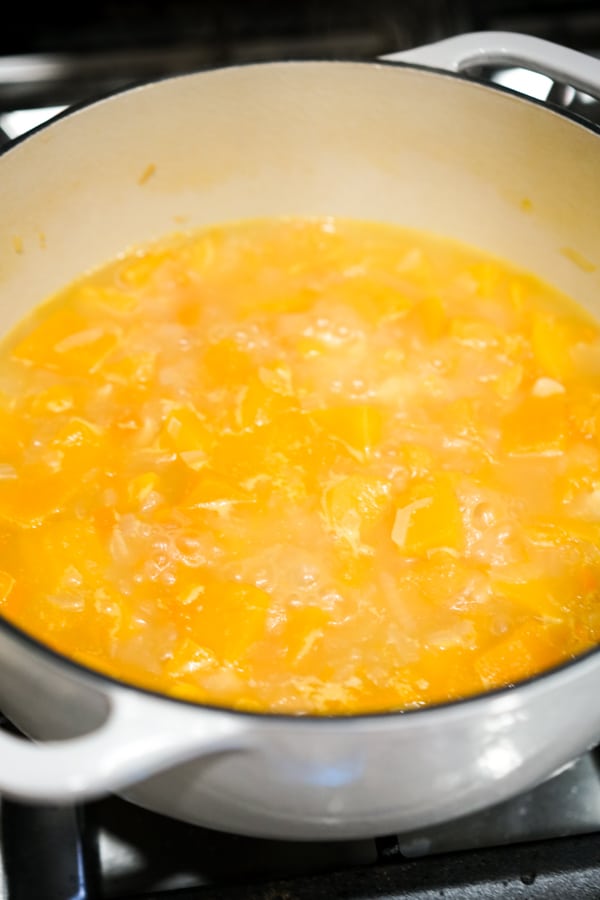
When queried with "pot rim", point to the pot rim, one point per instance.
{"points": [[57, 657], [383, 63]]}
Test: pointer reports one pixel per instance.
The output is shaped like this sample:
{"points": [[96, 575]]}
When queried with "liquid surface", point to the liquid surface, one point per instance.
{"points": [[306, 466]]}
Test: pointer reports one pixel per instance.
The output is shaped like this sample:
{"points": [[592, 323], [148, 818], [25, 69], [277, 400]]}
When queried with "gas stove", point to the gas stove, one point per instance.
{"points": [[543, 844], [65, 54]]}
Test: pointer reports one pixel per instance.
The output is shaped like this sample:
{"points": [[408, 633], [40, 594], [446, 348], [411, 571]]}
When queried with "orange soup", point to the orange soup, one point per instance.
{"points": [[304, 466]]}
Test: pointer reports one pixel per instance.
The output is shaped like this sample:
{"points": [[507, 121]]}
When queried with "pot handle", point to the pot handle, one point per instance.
{"points": [[140, 736], [506, 48]]}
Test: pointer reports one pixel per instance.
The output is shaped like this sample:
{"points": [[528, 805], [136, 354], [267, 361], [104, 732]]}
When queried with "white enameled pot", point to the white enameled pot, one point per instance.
{"points": [[401, 140]]}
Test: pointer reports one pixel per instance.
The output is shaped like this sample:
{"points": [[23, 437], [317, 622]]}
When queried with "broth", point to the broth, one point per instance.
{"points": [[304, 466]]}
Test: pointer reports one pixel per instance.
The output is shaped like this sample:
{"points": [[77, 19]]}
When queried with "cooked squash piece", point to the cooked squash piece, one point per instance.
{"points": [[428, 517], [304, 628], [555, 340], [89, 296], [529, 649], [229, 618], [185, 430], [210, 490], [353, 504], [139, 270], [544, 597], [66, 342], [358, 427], [35, 494], [537, 425], [259, 404], [427, 319], [66, 555]]}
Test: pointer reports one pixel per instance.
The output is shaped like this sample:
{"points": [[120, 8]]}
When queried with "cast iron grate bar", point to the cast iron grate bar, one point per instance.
{"points": [[45, 853], [559, 869]]}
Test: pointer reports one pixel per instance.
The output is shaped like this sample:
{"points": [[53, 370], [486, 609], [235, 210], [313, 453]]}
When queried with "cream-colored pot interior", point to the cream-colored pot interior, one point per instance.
{"points": [[375, 141]]}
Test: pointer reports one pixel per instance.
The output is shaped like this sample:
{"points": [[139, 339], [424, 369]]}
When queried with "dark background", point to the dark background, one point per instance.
{"points": [[61, 52], [277, 27]]}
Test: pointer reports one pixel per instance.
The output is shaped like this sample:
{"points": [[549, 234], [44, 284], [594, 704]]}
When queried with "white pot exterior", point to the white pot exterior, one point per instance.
{"points": [[380, 141]]}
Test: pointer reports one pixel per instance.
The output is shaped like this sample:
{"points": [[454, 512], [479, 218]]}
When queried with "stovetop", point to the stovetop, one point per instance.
{"points": [[543, 844], [67, 53]]}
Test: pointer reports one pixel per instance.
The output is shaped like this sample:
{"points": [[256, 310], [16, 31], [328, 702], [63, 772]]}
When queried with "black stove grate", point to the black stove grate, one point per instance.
{"points": [[51, 853]]}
